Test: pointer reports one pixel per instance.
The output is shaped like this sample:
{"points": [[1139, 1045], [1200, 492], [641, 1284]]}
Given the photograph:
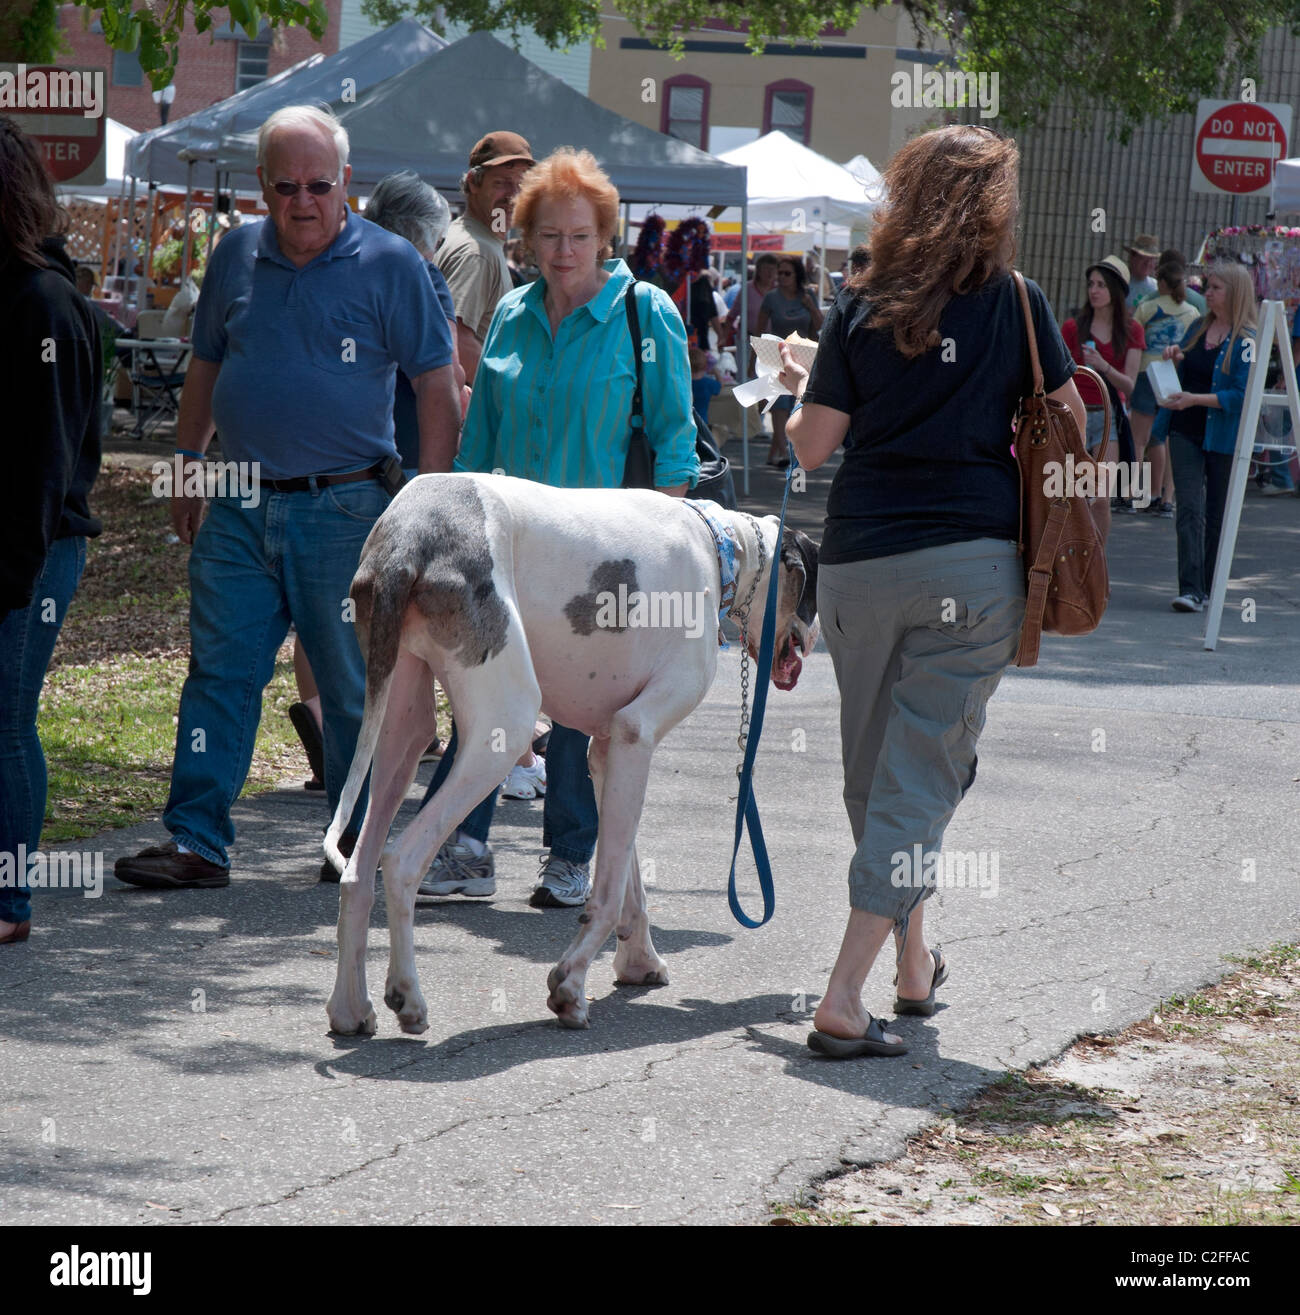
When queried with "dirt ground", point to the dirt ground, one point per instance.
{"points": [[1191, 1116]]}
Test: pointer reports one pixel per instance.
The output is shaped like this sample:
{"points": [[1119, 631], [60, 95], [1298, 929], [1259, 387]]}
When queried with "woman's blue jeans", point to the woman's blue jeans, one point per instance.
{"points": [[27, 638]]}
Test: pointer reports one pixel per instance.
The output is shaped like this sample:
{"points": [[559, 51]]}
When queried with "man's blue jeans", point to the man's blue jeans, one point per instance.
{"points": [[252, 570], [569, 820], [27, 638]]}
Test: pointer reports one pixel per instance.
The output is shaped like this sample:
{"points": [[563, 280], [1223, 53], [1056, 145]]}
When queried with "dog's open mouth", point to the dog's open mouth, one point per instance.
{"points": [[788, 664]]}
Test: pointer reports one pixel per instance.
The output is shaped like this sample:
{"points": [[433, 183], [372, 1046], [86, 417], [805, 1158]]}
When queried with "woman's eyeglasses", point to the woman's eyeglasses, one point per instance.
{"points": [[318, 187], [550, 238]]}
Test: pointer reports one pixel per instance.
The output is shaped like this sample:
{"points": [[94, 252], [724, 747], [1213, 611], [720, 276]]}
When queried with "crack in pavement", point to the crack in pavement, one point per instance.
{"points": [[332, 1179]]}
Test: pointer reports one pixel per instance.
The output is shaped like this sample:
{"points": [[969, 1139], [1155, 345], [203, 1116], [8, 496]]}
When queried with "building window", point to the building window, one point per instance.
{"points": [[126, 69], [787, 108], [685, 110], [252, 66]]}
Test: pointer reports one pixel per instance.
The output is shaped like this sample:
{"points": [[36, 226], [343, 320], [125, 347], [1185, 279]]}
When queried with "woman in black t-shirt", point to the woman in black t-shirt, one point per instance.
{"points": [[919, 372]]}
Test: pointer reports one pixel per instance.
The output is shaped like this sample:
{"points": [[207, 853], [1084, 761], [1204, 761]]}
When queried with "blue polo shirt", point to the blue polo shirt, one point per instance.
{"points": [[309, 356]]}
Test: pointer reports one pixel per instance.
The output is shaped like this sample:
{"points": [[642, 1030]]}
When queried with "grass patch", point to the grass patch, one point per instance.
{"points": [[109, 731]]}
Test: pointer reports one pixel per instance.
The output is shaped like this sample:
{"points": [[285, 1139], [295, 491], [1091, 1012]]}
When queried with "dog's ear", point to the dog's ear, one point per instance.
{"points": [[799, 556]]}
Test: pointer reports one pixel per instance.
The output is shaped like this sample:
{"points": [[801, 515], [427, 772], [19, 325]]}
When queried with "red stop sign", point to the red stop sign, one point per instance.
{"points": [[1238, 146]]}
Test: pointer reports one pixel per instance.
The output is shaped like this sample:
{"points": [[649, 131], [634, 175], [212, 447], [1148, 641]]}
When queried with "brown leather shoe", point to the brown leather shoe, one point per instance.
{"points": [[164, 867], [20, 933]]}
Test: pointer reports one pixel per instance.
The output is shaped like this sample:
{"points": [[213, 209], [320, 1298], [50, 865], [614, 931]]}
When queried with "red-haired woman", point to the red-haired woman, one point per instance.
{"points": [[921, 592]]}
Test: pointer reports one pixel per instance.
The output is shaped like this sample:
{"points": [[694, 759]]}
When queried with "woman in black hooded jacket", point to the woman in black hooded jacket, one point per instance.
{"points": [[49, 343]]}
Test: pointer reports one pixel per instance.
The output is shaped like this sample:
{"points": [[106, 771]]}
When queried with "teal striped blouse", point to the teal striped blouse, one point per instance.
{"points": [[555, 410]]}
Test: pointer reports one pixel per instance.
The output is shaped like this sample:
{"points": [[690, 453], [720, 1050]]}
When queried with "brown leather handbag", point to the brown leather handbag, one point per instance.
{"points": [[1067, 584]]}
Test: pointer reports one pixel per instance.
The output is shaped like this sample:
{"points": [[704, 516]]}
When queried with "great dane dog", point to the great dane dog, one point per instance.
{"points": [[600, 607]]}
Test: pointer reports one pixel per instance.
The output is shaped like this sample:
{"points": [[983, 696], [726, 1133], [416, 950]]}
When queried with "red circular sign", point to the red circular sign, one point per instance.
{"points": [[1237, 147]]}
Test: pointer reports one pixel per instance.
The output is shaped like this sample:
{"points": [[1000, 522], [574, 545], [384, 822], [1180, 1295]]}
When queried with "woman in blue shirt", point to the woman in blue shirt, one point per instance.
{"points": [[1213, 366], [551, 403]]}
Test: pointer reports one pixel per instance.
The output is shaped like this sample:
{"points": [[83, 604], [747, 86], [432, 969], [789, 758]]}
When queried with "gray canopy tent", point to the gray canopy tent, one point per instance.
{"points": [[167, 155], [429, 116], [153, 155]]}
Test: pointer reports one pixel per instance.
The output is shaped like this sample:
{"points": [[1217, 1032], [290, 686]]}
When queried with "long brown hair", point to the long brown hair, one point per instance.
{"points": [[1121, 327], [946, 226], [29, 212]]}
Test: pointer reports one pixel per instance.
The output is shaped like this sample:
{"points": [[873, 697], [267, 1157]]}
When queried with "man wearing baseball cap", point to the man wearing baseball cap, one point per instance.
{"points": [[1143, 256], [472, 256]]}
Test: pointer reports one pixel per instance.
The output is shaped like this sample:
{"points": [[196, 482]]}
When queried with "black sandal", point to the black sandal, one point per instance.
{"points": [[872, 1042]]}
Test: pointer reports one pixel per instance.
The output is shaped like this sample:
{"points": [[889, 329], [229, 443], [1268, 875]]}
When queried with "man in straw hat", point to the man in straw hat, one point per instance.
{"points": [[1143, 256]]}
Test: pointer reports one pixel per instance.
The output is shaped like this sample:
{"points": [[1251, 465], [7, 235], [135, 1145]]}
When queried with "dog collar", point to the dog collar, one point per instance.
{"points": [[724, 541]]}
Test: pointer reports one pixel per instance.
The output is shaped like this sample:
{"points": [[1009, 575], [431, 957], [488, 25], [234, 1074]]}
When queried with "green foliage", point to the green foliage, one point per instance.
{"points": [[154, 29], [1145, 59]]}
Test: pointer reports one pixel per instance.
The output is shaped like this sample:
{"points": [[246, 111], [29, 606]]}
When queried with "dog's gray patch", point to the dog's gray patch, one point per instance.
{"points": [[438, 548], [582, 609]]}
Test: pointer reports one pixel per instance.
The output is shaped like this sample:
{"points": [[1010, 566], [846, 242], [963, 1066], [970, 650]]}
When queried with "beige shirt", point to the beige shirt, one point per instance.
{"points": [[473, 261]]}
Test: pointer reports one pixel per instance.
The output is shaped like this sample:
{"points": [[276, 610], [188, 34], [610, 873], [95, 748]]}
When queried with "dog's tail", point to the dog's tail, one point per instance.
{"points": [[380, 592]]}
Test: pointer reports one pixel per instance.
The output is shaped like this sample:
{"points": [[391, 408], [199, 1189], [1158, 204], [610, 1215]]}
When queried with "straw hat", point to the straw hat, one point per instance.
{"points": [[1145, 244], [1116, 267]]}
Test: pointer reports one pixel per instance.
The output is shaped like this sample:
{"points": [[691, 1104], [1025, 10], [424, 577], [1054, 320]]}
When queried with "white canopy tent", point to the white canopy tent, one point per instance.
{"points": [[1286, 187], [792, 186]]}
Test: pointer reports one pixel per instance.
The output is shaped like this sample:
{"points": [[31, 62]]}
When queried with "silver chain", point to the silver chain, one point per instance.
{"points": [[741, 614]]}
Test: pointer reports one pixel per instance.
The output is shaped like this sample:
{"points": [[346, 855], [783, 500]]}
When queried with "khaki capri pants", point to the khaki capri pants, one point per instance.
{"points": [[919, 641]]}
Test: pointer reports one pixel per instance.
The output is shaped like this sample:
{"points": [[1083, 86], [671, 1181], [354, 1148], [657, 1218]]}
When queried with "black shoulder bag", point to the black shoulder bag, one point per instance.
{"points": [[715, 483]]}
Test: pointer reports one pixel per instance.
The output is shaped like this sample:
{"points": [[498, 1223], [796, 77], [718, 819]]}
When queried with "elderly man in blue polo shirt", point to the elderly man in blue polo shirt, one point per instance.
{"points": [[300, 329]]}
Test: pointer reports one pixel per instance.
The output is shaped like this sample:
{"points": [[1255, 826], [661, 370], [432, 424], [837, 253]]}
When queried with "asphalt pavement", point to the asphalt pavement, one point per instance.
{"points": [[164, 1058]]}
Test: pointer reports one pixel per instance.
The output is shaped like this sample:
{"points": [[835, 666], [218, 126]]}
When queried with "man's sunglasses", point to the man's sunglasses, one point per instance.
{"points": [[319, 187]]}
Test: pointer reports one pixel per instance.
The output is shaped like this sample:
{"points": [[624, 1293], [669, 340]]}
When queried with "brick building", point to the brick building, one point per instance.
{"points": [[212, 65]]}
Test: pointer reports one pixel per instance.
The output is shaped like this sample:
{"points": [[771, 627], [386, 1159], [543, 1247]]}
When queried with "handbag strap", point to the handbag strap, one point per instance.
{"points": [[637, 418]]}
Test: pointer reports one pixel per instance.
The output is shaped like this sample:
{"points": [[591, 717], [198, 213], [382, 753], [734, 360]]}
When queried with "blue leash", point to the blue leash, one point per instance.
{"points": [[746, 805]]}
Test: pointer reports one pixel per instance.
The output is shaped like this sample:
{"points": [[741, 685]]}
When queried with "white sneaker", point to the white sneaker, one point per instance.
{"points": [[1188, 603], [560, 883], [525, 782], [457, 870]]}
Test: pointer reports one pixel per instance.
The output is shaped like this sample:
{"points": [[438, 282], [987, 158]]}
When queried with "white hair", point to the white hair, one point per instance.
{"points": [[303, 116], [406, 205]]}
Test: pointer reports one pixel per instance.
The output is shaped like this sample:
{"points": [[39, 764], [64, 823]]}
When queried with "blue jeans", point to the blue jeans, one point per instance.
{"points": [[252, 570], [27, 639], [1201, 494], [569, 820]]}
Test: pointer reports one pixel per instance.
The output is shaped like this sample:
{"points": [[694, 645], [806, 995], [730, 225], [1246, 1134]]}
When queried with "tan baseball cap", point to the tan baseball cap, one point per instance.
{"points": [[500, 148]]}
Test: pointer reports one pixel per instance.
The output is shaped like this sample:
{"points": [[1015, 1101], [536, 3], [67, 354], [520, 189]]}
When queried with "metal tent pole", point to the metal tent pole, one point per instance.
{"points": [[742, 355]]}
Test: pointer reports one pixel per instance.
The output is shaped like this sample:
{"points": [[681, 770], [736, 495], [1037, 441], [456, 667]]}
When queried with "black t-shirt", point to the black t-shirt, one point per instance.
{"points": [[927, 459], [1195, 375]]}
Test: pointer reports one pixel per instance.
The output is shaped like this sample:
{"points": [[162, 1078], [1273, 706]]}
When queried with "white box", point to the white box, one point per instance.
{"points": [[1163, 378]]}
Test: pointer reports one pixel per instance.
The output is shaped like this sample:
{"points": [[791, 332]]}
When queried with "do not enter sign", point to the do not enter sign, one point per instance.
{"points": [[1238, 143]]}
